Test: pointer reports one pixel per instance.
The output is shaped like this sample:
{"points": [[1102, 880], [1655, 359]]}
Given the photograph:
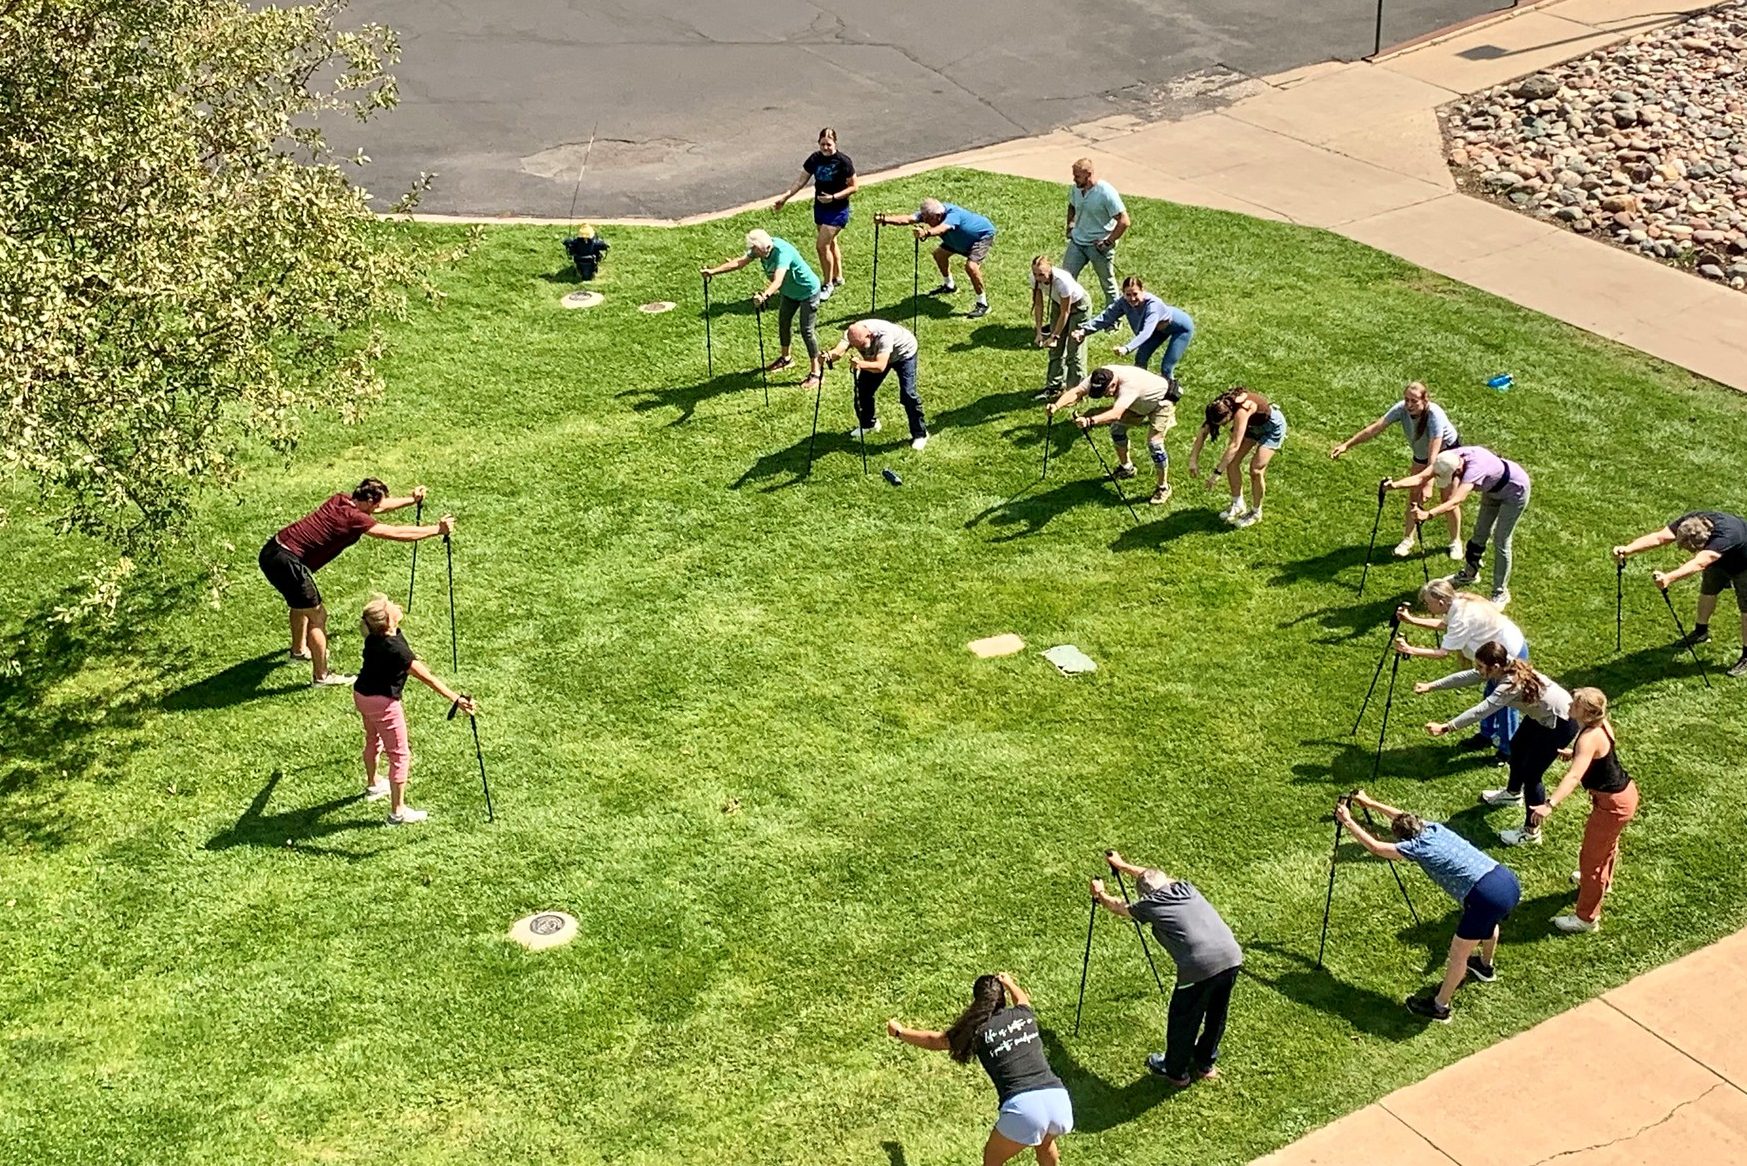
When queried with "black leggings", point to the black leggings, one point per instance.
{"points": [[1196, 1024], [1532, 753]]}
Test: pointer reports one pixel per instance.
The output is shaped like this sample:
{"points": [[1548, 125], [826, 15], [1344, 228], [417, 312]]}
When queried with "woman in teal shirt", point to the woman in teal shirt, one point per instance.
{"points": [[795, 287]]}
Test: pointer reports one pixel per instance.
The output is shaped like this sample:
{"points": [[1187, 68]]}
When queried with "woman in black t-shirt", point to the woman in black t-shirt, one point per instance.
{"points": [[1035, 1109], [833, 177], [388, 660]]}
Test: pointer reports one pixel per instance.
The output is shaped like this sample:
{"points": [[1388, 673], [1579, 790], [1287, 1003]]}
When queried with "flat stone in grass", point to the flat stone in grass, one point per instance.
{"points": [[1005, 644]]}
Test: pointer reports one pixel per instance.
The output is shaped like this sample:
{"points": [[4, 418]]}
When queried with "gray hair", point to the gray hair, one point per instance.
{"points": [[1150, 880], [931, 207], [1446, 465], [756, 238], [1693, 533]]}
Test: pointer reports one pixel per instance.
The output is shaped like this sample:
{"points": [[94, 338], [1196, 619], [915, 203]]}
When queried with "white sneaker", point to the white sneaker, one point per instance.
{"points": [[1456, 551], [332, 680], [1250, 518], [1576, 878], [406, 816], [1500, 797], [1501, 598], [1520, 837], [919, 443], [858, 431], [375, 793], [1403, 548], [1232, 512], [825, 292], [1573, 925]]}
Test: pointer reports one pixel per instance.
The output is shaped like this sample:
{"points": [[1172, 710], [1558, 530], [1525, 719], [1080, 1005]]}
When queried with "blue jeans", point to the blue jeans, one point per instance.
{"points": [[867, 382], [1502, 725], [1173, 338]]}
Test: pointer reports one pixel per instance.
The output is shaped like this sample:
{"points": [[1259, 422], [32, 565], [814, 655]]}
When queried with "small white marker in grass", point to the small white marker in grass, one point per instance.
{"points": [[582, 299], [656, 306], [1070, 660], [544, 930], [1005, 644]]}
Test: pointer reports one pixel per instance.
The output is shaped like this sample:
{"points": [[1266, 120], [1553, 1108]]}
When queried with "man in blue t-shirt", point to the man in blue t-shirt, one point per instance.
{"points": [[962, 233], [796, 289], [1487, 890]]}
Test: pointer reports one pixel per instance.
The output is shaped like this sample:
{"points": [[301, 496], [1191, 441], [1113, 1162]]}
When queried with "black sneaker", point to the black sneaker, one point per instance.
{"points": [[977, 312], [1463, 578], [1695, 637], [1739, 668], [1429, 1008], [1480, 969], [1155, 1064], [944, 289], [1123, 472]]}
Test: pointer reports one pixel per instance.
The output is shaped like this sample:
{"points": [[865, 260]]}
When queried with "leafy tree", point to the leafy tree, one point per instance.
{"points": [[186, 269]]}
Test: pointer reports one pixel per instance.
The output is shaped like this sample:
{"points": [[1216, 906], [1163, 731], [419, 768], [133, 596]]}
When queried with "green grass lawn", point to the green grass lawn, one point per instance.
{"points": [[215, 953]]}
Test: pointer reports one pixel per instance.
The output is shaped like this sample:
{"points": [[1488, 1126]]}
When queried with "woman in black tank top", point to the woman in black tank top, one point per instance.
{"points": [[1613, 802]]}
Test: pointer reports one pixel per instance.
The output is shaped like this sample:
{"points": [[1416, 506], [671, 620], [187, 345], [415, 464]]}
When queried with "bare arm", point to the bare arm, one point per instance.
{"points": [[877, 364], [1070, 397], [1691, 567], [1582, 757], [842, 195], [1117, 862], [891, 220], [1420, 621], [1458, 491], [1014, 991], [922, 1038], [1117, 408], [1037, 311], [731, 265], [409, 533], [1411, 482], [1116, 232], [387, 504], [1359, 438], [1407, 649], [1108, 901], [1063, 307], [1240, 423], [430, 681], [1660, 537], [1371, 803], [1363, 837], [793, 190], [1195, 451]]}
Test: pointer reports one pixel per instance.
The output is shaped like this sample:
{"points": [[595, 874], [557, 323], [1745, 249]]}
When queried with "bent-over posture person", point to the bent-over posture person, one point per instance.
{"points": [[1504, 495], [1258, 427], [962, 233], [1546, 727], [794, 286], [1035, 1108], [1487, 890], [1141, 398], [1155, 325], [1429, 432], [833, 177], [881, 347], [1468, 621], [1207, 958], [1613, 802], [1097, 219], [1059, 307], [291, 558], [388, 660], [1717, 542]]}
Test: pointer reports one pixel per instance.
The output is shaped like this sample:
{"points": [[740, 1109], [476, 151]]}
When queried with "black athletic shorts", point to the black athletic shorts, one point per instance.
{"points": [[289, 576], [1716, 578]]}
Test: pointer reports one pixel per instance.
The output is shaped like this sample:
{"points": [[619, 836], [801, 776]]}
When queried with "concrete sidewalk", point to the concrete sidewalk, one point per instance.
{"points": [[1652, 1072], [1356, 148]]}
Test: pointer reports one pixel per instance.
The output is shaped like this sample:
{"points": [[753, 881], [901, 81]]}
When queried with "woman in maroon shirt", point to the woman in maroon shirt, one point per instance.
{"points": [[293, 556]]}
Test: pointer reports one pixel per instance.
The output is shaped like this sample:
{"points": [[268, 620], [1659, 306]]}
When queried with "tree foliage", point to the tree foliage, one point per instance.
{"points": [[186, 269]]}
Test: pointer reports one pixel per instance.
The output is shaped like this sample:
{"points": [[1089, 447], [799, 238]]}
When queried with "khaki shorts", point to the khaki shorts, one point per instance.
{"points": [[1158, 423]]}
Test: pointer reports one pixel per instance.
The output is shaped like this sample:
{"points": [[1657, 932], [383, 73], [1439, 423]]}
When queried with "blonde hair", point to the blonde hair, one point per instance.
{"points": [[376, 615], [756, 238], [1592, 701], [1042, 261]]}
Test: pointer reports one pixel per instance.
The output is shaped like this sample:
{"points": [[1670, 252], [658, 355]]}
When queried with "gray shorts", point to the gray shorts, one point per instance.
{"points": [[1716, 578], [1030, 1117], [979, 250]]}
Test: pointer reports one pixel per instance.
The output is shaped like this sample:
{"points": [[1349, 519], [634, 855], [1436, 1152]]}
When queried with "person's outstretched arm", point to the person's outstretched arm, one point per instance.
{"points": [[725, 268], [792, 191], [1117, 862], [407, 533], [1363, 837], [1124, 401], [1691, 567], [1582, 757], [896, 220], [1411, 482], [1430, 623], [1359, 438], [1371, 803], [1458, 491], [387, 504], [430, 681], [1660, 537], [1108, 901], [1154, 315], [922, 1038], [1069, 397]]}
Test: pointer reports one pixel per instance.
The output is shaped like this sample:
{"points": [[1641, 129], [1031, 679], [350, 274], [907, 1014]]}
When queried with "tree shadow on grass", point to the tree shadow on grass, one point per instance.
{"points": [[999, 404], [1302, 982], [1347, 565], [79, 693], [238, 684], [1032, 508], [894, 1154], [687, 398], [1099, 1104], [292, 829]]}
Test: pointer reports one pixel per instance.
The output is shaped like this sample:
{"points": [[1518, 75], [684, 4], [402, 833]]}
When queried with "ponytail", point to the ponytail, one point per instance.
{"points": [[987, 997], [1519, 674]]}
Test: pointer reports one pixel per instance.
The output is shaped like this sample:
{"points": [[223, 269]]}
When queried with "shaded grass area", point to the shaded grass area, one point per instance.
{"points": [[732, 727]]}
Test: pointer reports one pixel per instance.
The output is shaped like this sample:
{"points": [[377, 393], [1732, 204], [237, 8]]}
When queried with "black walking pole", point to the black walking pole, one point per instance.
{"points": [[1138, 933], [1388, 703], [1619, 602], [1420, 538], [916, 285], [417, 520], [1328, 901], [709, 346], [1050, 413], [763, 372], [1394, 868], [478, 755], [1382, 491], [1388, 646], [1120, 493], [1681, 628], [876, 275], [818, 392], [1085, 966], [454, 652]]}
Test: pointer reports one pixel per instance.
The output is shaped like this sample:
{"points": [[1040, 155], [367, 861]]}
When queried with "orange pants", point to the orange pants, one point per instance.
{"points": [[1608, 815]]}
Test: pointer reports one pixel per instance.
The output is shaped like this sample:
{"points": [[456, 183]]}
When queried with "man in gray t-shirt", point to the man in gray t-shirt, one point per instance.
{"points": [[1207, 956]]}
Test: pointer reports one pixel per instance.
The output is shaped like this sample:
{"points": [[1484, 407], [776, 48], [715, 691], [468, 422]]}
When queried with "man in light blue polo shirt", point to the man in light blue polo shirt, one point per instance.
{"points": [[1096, 220], [961, 232]]}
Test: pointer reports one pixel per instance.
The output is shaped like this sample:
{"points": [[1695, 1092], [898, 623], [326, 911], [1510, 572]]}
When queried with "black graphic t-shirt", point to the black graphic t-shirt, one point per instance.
{"points": [[1011, 1050], [387, 659], [830, 173]]}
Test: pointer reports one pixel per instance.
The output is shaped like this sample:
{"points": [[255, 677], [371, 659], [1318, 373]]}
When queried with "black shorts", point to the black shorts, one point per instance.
{"points": [[289, 576], [1717, 577]]}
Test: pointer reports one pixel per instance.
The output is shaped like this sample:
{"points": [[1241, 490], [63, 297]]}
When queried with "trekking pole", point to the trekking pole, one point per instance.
{"points": [[763, 371], [478, 755], [1051, 421], [1388, 646], [1138, 933], [872, 307], [1085, 966], [1120, 493], [1394, 869], [709, 345], [1420, 538], [1388, 703], [818, 392], [916, 285], [417, 520], [1328, 901], [454, 651], [1619, 602], [1681, 628], [1382, 491]]}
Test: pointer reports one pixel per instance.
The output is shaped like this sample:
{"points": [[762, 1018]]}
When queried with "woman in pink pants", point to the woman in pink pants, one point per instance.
{"points": [[387, 661], [1613, 801]]}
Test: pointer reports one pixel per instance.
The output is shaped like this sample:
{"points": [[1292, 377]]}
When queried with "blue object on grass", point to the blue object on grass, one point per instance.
{"points": [[1502, 382]]}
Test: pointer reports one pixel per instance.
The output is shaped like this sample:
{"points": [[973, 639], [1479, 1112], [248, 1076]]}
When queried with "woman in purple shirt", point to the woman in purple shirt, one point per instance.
{"points": [[1503, 487]]}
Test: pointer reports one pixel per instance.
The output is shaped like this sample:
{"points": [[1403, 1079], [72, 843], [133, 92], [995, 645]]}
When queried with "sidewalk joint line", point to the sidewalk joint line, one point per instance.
{"points": [[1407, 1125], [1634, 1020]]}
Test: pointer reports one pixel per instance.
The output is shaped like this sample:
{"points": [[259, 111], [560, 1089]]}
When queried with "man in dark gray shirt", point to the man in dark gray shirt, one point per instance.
{"points": [[1207, 958]]}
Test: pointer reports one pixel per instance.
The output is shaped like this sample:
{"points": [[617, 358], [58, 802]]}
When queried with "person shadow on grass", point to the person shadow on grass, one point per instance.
{"points": [[293, 829], [1099, 1104]]}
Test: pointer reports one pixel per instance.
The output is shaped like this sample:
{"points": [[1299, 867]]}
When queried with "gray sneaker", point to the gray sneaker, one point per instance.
{"points": [[1739, 668], [1464, 577]]}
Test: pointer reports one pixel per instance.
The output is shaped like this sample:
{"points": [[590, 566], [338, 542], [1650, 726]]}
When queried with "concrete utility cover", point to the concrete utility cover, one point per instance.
{"points": [[547, 929], [582, 299], [657, 306], [1070, 659], [1005, 644]]}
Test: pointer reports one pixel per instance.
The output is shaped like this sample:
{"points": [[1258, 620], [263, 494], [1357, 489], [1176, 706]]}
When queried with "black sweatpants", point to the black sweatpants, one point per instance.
{"points": [[1197, 1024]]}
